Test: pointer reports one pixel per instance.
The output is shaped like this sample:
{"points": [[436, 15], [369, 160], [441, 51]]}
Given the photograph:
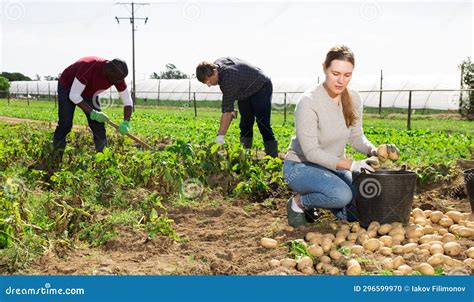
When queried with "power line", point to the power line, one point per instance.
{"points": [[132, 22]]}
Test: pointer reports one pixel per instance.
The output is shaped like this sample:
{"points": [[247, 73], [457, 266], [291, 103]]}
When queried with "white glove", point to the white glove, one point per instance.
{"points": [[373, 152], [220, 139], [357, 166]]}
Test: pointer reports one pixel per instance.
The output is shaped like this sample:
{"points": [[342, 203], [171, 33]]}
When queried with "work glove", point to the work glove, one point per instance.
{"points": [[357, 166], [372, 152], [388, 151], [220, 139], [99, 116], [124, 127], [374, 162]]}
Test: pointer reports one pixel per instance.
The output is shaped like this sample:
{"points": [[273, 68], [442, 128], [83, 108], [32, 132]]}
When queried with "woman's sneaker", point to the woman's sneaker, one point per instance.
{"points": [[310, 215], [295, 219]]}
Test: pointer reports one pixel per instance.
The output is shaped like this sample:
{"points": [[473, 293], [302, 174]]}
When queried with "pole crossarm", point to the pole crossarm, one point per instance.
{"points": [[132, 22]]}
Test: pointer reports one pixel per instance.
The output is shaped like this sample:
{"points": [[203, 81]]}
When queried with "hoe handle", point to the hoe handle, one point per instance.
{"points": [[136, 139]]}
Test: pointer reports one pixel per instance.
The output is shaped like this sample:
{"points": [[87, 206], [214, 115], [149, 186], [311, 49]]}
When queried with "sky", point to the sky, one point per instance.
{"points": [[287, 39]]}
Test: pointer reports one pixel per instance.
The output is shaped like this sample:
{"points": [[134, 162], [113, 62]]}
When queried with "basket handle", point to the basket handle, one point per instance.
{"points": [[364, 171]]}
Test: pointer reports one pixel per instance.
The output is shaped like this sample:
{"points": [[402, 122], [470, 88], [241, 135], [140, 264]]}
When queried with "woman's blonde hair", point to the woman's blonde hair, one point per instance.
{"points": [[343, 53]]}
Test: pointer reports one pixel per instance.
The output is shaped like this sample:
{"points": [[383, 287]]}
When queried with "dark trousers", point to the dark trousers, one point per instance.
{"points": [[257, 107], [66, 110]]}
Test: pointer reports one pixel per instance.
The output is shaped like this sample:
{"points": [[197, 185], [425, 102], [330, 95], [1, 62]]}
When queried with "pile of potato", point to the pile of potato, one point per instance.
{"points": [[429, 241]]}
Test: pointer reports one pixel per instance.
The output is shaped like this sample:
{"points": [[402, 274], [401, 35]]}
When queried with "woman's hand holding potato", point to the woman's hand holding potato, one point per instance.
{"points": [[388, 151]]}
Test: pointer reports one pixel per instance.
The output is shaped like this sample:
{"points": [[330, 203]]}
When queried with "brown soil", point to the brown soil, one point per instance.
{"points": [[217, 240], [15, 120], [220, 239], [447, 196]]}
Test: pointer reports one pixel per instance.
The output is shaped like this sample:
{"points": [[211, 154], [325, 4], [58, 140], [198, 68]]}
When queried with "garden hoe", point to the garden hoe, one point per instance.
{"points": [[136, 139]]}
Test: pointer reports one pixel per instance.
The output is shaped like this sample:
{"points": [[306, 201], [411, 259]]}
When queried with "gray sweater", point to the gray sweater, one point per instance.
{"points": [[321, 132]]}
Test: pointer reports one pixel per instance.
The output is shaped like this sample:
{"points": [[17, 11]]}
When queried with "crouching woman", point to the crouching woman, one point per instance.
{"points": [[327, 117]]}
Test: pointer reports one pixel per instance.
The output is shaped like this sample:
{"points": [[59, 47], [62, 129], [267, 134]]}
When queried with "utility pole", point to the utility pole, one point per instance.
{"points": [[132, 22], [380, 94]]}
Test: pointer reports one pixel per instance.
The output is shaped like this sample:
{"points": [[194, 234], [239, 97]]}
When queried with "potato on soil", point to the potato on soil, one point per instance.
{"points": [[384, 229], [451, 262], [405, 269], [436, 216], [452, 248], [446, 222], [386, 240], [316, 250], [430, 238], [352, 237], [304, 262], [386, 251], [356, 228], [397, 261], [387, 263], [374, 225], [334, 254], [436, 259], [428, 230], [455, 216], [371, 245], [288, 262], [274, 263], [409, 247], [417, 213], [465, 232], [338, 240], [311, 235], [397, 249], [470, 252], [325, 259], [469, 262], [357, 249], [353, 268], [362, 238], [426, 269], [416, 232], [343, 233], [307, 270], [436, 249], [269, 243]]}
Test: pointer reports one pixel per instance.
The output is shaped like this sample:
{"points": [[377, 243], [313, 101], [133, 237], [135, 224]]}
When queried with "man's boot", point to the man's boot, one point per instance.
{"points": [[53, 162], [271, 148], [100, 144], [246, 142]]}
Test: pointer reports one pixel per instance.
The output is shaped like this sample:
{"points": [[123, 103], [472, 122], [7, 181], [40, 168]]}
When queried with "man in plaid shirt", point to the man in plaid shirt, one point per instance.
{"points": [[241, 81]]}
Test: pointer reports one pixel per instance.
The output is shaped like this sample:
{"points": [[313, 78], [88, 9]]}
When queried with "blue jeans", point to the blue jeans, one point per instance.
{"points": [[322, 188], [257, 107]]}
